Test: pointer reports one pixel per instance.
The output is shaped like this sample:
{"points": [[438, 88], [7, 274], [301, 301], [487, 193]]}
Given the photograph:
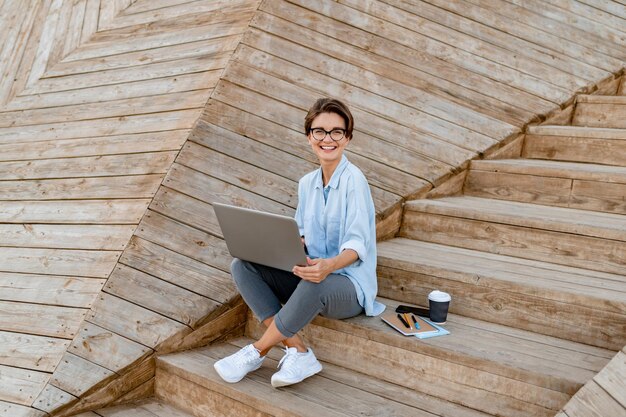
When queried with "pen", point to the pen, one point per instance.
{"points": [[406, 318], [417, 326], [403, 321]]}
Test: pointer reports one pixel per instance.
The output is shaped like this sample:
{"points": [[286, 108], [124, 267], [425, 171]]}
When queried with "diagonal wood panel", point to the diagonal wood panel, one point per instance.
{"points": [[98, 98]]}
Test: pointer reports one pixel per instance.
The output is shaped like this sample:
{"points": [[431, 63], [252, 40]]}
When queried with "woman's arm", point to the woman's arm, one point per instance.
{"points": [[318, 269]]}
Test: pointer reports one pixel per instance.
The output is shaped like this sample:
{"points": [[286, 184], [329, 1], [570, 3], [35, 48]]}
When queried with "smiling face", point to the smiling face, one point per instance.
{"points": [[328, 151]]}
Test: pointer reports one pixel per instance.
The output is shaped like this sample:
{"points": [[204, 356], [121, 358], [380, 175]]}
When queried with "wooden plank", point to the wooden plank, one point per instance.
{"points": [[178, 269], [193, 398], [609, 197], [16, 44], [182, 119], [453, 186], [77, 375], [577, 131], [593, 401], [203, 47], [539, 39], [210, 189], [543, 245], [459, 20], [46, 44], [75, 26], [136, 186], [43, 320], [402, 29], [143, 391], [539, 19], [8, 409], [160, 296], [379, 147], [600, 115], [380, 65], [429, 104], [180, 11], [585, 223], [73, 211], [96, 264], [113, 389], [383, 44], [224, 123], [102, 166], [90, 22], [105, 109], [185, 240], [21, 386], [174, 84], [104, 145], [229, 323], [113, 43], [579, 287], [240, 174], [133, 322], [52, 398], [569, 148], [94, 237], [106, 348], [378, 174], [512, 149], [288, 89], [31, 352], [49, 289], [123, 75], [612, 378], [519, 187], [593, 14]]}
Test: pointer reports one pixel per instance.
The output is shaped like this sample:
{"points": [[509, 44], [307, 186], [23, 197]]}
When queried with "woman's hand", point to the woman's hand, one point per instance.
{"points": [[316, 270]]}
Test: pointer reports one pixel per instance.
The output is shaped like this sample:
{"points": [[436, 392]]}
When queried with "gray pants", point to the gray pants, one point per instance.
{"points": [[264, 289]]}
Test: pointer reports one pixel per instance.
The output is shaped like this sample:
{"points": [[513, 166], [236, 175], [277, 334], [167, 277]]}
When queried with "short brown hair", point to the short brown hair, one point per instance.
{"points": [[329, 105]]}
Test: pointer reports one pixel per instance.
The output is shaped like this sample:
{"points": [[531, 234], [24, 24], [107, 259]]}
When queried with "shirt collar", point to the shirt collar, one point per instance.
{"points": [[334, 180]]}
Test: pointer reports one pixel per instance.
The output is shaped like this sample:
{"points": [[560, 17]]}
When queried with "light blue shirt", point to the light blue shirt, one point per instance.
{"points": [[342, 216]]}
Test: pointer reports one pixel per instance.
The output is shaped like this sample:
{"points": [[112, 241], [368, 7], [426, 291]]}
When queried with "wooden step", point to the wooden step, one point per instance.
{"points": [[576, 144], [150, 407], [600, 111], [555, 183], [584, 239], [492, 368], [189, 381], [569, 303]]}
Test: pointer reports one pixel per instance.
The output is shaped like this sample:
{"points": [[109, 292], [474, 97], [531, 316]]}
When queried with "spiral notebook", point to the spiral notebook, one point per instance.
{"points": [[426, 328]]}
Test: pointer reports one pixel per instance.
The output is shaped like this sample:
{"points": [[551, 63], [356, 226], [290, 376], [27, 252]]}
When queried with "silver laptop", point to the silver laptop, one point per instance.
{"points": [[259, 237]]}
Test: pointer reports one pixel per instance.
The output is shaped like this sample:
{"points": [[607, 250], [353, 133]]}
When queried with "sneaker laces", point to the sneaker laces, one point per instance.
{"points": [[291, 355], [246, 355]]}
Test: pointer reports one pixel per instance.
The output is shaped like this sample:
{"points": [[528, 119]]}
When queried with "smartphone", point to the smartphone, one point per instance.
{"points": [[422, 312]]}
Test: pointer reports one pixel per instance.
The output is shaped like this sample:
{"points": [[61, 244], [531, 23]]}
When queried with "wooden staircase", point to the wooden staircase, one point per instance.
{"points": [[533, 253]]}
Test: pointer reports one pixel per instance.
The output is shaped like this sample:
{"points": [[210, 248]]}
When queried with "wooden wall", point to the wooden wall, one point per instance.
{"points": [[98, 101]]}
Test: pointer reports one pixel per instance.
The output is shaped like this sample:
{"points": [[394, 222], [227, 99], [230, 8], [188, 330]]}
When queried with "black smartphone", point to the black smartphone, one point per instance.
{"points": [[422, 312]]}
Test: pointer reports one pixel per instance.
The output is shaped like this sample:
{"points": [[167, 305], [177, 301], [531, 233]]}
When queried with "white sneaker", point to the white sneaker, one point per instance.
{"points": [[234, 367], [295, 366]]}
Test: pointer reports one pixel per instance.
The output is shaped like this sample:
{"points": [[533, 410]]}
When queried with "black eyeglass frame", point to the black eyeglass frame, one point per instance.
{"points": [[328, 133]]}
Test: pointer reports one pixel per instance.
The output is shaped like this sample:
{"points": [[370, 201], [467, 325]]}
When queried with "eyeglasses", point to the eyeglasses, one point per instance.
{"points": [[320, 134]]}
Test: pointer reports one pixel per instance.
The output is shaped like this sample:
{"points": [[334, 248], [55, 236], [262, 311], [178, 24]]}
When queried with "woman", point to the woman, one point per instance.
{"points": [[336, 219]]}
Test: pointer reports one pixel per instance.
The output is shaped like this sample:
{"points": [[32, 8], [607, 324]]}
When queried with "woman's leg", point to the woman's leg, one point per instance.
{"points": [[263, 289], [335, 297]]}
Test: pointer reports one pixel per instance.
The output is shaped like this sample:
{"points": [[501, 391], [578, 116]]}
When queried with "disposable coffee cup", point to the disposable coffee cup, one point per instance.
{"points": [[439, 302]]}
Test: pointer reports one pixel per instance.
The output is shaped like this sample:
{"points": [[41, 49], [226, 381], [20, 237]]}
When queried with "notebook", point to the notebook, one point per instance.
{"points": [[426, 328]]}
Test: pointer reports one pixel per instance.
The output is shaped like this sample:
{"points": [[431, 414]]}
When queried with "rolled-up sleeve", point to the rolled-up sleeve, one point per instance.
{"points": [[357, 228]]}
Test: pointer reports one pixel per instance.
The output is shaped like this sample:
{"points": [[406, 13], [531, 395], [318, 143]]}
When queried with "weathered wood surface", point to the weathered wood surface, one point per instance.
{"points": [[98, 97], [95, 104], [554, 183]]}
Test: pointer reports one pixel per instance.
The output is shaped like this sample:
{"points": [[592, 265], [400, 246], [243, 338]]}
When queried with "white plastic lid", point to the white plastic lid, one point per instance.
{"points": [[439, 296]]}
